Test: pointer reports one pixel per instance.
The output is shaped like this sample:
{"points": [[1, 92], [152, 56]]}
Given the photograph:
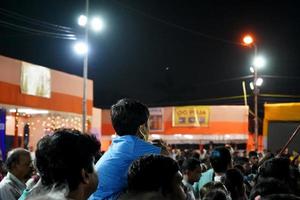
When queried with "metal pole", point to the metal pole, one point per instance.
{"points": [[255, 101], [85, 72]]}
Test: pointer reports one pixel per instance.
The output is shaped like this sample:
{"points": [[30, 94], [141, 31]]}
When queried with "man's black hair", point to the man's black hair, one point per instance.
{"points": [[280, 169], [61, 157], [13, 157], [152, 173], [253, 154], [269, 186], [215, 194], [281, 197], [190, 164], [220, 158], [127, 115], [241, 160], [234, 182]]}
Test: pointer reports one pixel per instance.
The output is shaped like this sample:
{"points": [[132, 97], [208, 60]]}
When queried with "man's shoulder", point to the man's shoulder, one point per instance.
{"points": [[207, 175], [6, 182]]}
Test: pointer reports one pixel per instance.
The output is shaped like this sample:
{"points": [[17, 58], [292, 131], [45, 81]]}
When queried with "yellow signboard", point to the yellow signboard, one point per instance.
{"points": [[193, 116]]}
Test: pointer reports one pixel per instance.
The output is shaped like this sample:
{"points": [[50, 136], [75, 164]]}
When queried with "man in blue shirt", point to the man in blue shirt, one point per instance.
{"points": [[130, 119]]}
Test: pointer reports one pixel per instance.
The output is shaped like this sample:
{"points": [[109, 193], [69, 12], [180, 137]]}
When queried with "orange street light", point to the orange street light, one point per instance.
{"points": [[248, 40]]}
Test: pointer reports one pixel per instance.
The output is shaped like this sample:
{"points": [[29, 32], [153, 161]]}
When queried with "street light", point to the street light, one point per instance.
{"points": [[259, 62], [82, 48], [97, 24], [249, 41], [82, 20]]}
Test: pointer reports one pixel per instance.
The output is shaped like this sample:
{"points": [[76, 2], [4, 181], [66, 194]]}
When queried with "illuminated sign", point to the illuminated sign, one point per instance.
{"points": [[35, 80], [193, 116]]}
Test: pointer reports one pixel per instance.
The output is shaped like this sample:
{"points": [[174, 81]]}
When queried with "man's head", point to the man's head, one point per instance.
{"points": [[156, 173], [191, 168], [220, 159], [253, 157], [19, 163], [208, 190], [245, 163], [130, 117], [67, 157]]}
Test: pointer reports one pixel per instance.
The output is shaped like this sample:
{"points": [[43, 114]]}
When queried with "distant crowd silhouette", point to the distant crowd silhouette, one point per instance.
{"points": [[68, 165]]}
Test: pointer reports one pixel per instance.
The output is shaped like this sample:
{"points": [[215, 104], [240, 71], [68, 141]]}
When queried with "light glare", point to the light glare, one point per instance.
{"points": [[155, 136], [81, 48], [251, 86], [248, 40], [97, 24], [259, 62], [29, 111], [82, 20], [188, 137], [259, 82]]}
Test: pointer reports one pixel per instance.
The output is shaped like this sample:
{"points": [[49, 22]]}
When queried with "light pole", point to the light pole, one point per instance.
{"points": [[257, 63], [82, 48]]}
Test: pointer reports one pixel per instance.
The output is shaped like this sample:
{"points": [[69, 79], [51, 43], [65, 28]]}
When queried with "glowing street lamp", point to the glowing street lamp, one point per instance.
{"points": [[82, 20], [249, 41], [259, 82], [97, 24], [259, 62], [82, 48]]}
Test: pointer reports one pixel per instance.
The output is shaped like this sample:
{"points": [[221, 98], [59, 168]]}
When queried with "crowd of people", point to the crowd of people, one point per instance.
{"points": [[68, 166]]}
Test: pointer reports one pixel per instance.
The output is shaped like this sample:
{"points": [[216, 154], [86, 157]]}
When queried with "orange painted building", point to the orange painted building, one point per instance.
{"points": [[222, 124], [225, 124], [63, 106]]}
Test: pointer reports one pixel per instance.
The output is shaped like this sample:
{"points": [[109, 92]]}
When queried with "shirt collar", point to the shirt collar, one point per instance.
{"points": [[18, 183]]}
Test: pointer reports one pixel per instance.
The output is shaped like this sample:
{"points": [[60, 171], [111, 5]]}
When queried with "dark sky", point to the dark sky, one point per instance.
{"points": [[166, 52]]}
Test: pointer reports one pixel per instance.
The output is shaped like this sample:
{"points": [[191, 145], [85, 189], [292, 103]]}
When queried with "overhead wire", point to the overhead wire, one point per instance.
{"points": [[37, 22], [36, 31]]}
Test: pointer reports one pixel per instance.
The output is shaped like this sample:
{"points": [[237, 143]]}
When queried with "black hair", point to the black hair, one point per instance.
{"points": [[13, 157], [280, 197], [241, 160], [61, 157], [253, 153], [215, 194], [280, 169], [220, 158], [152, 173], [213, 185], [268, 186], [190, 164], [127, 115], [234, 182]]}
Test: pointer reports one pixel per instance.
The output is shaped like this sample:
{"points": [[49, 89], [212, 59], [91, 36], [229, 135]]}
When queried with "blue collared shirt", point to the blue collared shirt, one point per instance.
{"points": [[113, 166]]}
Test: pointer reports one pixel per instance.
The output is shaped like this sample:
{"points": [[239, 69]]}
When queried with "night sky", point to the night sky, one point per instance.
{"points": [[165, 52]]}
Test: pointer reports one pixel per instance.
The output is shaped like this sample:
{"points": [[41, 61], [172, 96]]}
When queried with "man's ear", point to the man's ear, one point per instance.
{"points": [[85, 176]]}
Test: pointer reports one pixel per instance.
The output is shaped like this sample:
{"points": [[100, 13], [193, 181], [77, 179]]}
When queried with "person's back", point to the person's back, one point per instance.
{"points": [[130, 121], [113, 165]]}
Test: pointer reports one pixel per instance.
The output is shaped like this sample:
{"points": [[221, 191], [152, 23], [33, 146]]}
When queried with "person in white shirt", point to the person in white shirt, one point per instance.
{"points": [[20, 168]]}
